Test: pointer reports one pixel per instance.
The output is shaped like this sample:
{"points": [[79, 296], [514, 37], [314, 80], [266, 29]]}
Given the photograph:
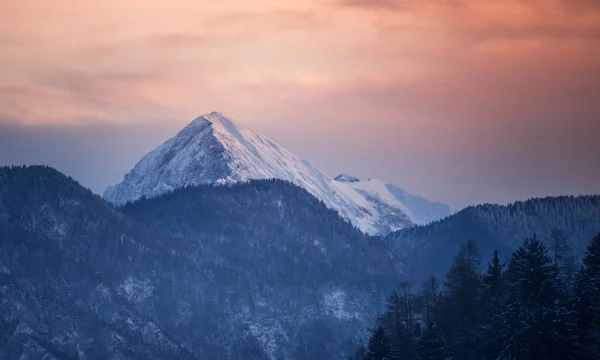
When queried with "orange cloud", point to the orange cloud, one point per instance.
{"points": [[320, 46]]}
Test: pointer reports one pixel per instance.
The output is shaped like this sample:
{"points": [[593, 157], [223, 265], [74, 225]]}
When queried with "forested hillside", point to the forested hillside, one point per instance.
{"points": [[298, 275], [79, 279], [540, 304], [263, 270], [427, 249], [253, 271]]}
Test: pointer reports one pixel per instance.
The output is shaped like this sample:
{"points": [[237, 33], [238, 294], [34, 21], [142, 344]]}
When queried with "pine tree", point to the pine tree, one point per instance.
{"points": [[493, 296], [493, 279], [430, 297], [535, 322], [587, 302], [461, 306], [398, 322], [522, 310], [432, 345], [379, 346], [532, 274], [564, 261]]}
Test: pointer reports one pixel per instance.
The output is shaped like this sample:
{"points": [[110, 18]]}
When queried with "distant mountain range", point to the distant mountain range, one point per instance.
{"points": [[214, 150]]}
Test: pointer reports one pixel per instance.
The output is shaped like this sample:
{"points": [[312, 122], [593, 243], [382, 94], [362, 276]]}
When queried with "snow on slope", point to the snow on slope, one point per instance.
{"points": [[424, 211], [214, 150]]}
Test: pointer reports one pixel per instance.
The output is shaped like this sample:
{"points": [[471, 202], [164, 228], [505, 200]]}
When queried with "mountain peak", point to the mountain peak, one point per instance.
{"points": [[220, 125], [215, 116], [214, 150]]}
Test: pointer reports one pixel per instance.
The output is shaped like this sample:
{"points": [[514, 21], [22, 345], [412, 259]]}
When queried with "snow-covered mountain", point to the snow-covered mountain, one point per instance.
{"points": [[214, 150]]}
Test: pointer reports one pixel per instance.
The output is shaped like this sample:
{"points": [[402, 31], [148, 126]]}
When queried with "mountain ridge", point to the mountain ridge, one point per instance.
{"points": [[498, 227]]}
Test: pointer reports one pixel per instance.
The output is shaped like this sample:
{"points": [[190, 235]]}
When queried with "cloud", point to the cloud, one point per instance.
{"points": [[464, 91], [57, 95], [150, 46], [413, 4], [552, 21]]}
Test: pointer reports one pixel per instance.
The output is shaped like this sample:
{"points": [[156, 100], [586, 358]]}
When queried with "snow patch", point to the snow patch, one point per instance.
{"points": [[184, 312], [103, 291], [130, 323], [4, 270], [267, 337], [23, 328], [335, 305], [135, 289]]}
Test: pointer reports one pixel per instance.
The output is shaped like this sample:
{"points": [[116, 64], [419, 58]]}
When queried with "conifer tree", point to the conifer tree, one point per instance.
{"points": [[398, 322], [535, 324], [462, 309], [587, 302], [521, 310], [430, 297], [582, 307], [564, 261], [432, 345], [379, 346], [532, 274], [493, 296], [493, 279]]}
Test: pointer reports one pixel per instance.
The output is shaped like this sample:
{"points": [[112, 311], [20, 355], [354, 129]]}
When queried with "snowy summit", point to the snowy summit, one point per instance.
{"points": [[214, 150]]}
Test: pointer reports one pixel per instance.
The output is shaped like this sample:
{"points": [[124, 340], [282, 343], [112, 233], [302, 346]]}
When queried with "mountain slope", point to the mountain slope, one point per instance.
{"points": [[214, 150], [257, 270], [423, 211], [431, 248], [76, 276], [300, 273]]}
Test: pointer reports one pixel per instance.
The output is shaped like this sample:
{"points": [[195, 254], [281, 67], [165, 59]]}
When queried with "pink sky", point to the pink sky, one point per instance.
{"points": [[462, 101]]}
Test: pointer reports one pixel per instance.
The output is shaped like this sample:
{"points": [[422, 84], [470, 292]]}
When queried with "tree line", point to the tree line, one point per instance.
{"points": [[542, 303]]}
